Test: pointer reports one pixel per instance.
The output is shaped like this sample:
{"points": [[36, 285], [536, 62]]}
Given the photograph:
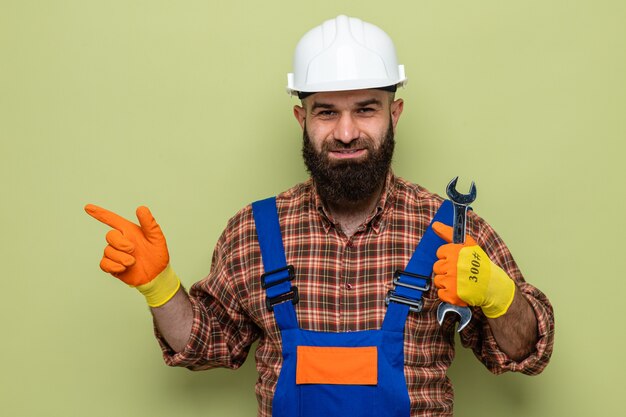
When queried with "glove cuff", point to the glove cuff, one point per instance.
{"points": [[161, 289], [503, 289]]}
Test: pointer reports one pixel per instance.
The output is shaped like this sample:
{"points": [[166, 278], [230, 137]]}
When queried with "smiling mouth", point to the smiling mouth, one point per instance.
{"points": [[347, 153]]}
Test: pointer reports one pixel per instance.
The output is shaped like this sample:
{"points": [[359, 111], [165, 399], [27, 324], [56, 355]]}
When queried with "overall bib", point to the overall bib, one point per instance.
{"points": [[358, 374]]}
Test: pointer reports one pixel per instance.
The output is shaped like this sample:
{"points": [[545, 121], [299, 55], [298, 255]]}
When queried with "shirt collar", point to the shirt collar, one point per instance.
{"points": [[374, 220]]}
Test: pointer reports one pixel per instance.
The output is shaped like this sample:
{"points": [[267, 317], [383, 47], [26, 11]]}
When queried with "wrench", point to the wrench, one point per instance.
{"points": [[461, 203]]}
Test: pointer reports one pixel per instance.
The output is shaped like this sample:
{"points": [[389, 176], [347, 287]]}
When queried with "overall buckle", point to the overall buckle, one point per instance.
{"points": [[414, 305], [291, 295], [290, 276]]}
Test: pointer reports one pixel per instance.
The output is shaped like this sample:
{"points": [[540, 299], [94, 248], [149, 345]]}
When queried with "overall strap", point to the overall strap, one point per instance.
{"points": [[416, 278], [278, 275]]}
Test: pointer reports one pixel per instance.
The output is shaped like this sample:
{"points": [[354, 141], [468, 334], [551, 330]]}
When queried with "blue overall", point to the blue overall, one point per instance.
{"points": [[386, 394]]}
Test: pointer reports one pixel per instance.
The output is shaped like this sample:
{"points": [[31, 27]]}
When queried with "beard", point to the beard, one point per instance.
{"points": [[342, 182]]}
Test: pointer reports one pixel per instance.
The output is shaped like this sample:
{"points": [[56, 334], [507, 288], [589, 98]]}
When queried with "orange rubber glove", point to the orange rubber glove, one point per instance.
{"points": [[137, 254], [465, 276]]}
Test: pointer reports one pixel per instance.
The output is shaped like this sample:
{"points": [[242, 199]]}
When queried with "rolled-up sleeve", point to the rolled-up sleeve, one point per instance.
{"points": [[221, 333], [479, 337], [486, 349]]}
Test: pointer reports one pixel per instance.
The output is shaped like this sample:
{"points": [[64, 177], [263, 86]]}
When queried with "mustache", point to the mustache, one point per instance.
{"points": [[337, 145]]}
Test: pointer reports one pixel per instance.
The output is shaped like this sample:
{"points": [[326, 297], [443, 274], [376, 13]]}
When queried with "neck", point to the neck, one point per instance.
{"points": [[351, 214]]}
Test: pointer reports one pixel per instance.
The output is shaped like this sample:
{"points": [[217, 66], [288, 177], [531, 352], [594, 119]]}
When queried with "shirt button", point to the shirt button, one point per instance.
{"points": [[349, 286]]}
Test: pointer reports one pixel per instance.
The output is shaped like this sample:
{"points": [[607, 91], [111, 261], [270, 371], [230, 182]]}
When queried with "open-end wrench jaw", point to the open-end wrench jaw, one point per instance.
{"points": [[464, 313], [461, 204], [457, 197]]}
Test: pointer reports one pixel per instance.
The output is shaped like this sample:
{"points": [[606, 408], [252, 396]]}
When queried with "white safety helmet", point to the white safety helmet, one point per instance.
{"points": [[344, 53]]}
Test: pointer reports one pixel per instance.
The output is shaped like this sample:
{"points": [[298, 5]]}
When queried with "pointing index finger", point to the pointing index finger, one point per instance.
{"points": [[108, 217]]}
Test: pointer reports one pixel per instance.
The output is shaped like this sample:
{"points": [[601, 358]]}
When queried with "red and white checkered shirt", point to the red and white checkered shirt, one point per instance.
{"points": [[342, 283]]}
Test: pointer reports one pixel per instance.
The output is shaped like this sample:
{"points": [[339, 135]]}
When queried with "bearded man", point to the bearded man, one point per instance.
{"points": [[333, 276]]}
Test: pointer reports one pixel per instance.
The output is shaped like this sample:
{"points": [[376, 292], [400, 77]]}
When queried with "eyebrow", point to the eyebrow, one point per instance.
{"points": [[317, 105], [369, 102]]}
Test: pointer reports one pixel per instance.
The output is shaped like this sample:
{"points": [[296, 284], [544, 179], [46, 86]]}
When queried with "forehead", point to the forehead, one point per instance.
{"points": [[347, 98]]}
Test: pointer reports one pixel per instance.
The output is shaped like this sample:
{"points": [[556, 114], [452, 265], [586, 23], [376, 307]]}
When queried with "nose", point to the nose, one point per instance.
{"points": [[346, 129]]}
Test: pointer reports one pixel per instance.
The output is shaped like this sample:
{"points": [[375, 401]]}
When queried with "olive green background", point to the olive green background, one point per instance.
{"points": [[181, 106]]}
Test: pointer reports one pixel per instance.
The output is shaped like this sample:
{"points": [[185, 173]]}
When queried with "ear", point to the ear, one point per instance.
{"points": [[300, 113], [396, 110]]}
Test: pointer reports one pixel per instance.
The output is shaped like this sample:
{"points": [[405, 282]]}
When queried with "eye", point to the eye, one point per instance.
{"points": [[366, 110], [325, 114]]}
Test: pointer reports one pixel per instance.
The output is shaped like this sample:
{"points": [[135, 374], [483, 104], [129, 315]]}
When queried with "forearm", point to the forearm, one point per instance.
{"points": [[174, 320], [516, 330]]}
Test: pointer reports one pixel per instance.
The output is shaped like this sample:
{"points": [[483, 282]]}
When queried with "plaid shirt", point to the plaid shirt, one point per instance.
{"points": [[342, 283]]}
